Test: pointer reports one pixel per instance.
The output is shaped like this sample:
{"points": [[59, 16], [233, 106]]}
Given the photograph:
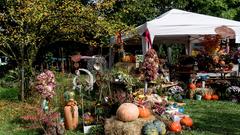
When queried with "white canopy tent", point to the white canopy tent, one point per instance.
{"points": [[176, 24]]}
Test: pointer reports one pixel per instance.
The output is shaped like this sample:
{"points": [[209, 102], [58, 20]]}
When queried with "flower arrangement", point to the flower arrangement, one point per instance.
{"points": [[45, 84], [175, 90]]}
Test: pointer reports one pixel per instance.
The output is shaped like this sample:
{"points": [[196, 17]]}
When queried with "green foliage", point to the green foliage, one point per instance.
{"points": [[10, 79], [96, 130], [134, 12], [10, 94], [221, 8], [177, 50]]}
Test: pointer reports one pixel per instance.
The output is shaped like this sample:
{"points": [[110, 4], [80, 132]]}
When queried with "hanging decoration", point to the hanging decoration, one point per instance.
{"points": [[150, 66], [147, 37], [225, 32], [118, 38], [76, 58]]}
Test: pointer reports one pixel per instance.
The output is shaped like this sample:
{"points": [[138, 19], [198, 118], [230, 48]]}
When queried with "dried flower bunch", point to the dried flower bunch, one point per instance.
{"points": [[150, 65], [175, 90], [45, 84]]}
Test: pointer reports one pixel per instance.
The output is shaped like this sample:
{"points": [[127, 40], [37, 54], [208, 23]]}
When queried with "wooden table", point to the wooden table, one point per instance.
{"points": [[166, 85]]}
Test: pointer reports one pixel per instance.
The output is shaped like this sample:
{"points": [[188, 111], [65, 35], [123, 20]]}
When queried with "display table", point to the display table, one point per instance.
{"points": [[166, 85], [221, 73]]}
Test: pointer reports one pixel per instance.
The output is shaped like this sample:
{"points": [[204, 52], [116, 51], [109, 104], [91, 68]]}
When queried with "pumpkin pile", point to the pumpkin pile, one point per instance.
{"points": [[177, 126]]}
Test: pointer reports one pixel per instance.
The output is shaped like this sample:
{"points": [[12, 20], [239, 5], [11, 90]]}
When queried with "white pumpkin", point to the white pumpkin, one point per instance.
{"points": [[127, 112]]}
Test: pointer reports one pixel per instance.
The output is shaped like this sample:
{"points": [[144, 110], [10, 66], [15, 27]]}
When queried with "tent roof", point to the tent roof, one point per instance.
{"points": [[178, 22]]}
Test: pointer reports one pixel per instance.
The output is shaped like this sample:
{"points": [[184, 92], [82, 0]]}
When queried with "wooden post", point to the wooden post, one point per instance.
{"points": [[62, 61], [110, 57], [22, 84]]}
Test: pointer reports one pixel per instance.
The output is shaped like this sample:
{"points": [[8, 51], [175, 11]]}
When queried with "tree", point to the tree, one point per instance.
{"points": [[30, 24], [221, 8]]}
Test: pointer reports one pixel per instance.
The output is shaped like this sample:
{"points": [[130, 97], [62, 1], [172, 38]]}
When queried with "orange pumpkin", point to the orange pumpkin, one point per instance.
{"points": [[126, 58], [144, 112], [215, 97], [127, 112], [175, 127], [222, 62], [192, 86], [207, 97], [186, 121]]}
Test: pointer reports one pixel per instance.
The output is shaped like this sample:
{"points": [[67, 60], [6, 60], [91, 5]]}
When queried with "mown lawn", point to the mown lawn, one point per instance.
{"points": [[10, 111], [214, 117], [210, 117]]}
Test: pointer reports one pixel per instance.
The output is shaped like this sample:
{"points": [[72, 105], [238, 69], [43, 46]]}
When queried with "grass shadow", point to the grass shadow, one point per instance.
{"points": [[10, 94]]}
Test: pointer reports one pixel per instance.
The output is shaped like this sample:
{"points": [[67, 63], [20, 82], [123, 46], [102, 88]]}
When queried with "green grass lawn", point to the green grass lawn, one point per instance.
{"points": [[210, 117], [214, 117], [10, 111]]}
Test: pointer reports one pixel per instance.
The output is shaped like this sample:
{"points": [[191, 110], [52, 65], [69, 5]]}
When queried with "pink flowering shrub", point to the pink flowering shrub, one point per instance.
{"points": [[45, 84]]}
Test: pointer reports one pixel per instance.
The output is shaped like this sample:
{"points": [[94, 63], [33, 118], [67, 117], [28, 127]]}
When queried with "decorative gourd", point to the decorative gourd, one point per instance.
{"points": [[215, 97], [149, 129], [127, 112], [175, 127], [160, 126], [186, 121], [199, 85], [133, 58], [71, 115], [207, 97], [144, 112], [222, 62], [216, 59], [126, 58], [192, 86]]}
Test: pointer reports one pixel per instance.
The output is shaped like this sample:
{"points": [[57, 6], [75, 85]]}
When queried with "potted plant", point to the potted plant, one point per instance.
{"points": [[199, 94]]}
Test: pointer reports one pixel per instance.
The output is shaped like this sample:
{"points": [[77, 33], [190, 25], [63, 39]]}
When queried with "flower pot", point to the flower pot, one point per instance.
{"points": [[71, 115], [198, 97]]}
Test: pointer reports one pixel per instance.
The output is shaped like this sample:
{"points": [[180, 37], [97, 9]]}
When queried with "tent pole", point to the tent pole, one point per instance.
{"points": [[189, 45], [144, 46]]}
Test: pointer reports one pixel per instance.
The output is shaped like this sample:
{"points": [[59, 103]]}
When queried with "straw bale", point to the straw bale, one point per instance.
{"points": [[113, 126]]}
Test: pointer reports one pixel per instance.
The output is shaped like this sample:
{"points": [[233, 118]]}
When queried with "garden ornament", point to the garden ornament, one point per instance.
{"points": [[203, 78], [91, 80], [96, 63]]}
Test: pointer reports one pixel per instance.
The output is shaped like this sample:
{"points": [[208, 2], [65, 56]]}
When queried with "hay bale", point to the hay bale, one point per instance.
{"points": [[113, 126]]}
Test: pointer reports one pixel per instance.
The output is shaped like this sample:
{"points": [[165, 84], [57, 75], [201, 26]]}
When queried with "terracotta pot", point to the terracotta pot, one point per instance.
{"points": [[71, 115]]}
